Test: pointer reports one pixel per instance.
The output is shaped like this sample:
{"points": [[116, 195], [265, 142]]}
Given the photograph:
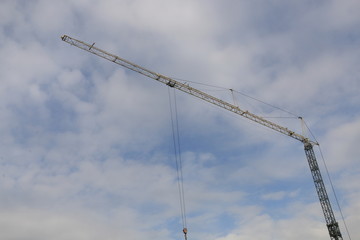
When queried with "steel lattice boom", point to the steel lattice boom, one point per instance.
{"points": [[182, 87], [332, 225]]}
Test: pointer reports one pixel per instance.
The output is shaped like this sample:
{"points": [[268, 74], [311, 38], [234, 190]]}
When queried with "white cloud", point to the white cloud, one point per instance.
{"points": [[279, 195], [341, 144]]}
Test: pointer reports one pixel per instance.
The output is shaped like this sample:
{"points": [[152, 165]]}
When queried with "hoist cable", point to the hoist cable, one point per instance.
{"points": [[180, 159], [331, 184], [177, 156]]}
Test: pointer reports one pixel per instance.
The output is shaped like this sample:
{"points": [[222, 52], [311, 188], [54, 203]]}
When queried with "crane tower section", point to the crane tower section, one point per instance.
{"points": [[331, 223]]}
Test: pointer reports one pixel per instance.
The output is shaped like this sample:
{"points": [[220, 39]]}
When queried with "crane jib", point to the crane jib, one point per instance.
{"points": [[183, 87]]}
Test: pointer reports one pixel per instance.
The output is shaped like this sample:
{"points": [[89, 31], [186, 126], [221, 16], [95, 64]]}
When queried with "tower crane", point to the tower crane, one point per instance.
{"points": [[331, 223]]}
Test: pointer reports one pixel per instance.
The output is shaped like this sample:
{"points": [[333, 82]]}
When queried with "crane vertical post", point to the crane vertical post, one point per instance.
{"points": [[331, 223]]}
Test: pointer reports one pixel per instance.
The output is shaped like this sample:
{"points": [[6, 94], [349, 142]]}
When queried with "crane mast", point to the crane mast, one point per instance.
{"points": [[331, 222]]}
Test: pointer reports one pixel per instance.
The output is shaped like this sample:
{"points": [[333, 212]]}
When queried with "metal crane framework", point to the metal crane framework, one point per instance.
{"points": [[331, 222]]}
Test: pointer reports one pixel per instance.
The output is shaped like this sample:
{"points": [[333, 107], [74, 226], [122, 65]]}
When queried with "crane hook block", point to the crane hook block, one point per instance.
{"points": [[185, 233]]}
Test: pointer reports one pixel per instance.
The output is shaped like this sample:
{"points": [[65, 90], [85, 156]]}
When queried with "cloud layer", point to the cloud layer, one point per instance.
{"points": [[86, 146]]}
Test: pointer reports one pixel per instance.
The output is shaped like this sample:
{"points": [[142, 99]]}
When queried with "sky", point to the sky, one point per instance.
{"points": [[86, 147]]}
